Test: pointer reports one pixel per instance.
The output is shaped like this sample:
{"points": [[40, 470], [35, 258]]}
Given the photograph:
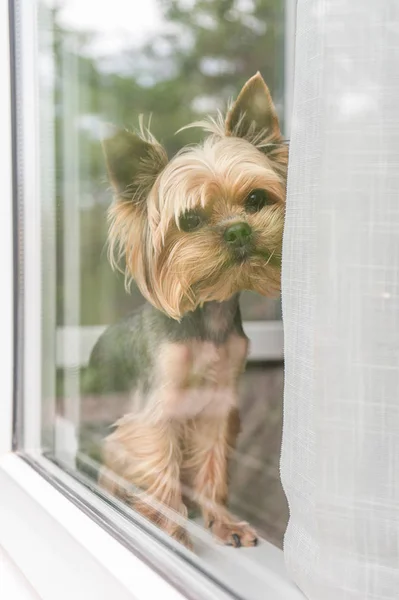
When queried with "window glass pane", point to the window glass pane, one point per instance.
{"points": [[102, 63], [175, 61]]}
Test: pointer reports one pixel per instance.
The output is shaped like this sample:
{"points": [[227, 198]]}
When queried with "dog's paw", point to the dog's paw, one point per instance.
{"points": [[234, 534], [181, 536]]}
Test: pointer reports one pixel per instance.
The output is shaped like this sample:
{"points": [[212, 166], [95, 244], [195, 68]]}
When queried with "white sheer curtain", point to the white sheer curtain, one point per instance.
{"points": [[340, 456]]}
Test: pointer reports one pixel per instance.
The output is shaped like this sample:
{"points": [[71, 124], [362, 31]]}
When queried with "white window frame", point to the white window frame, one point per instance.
{"points": [[59, 539]]}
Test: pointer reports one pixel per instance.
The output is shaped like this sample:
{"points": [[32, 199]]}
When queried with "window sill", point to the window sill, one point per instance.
{"points": [[12, 582], [63, 553]]}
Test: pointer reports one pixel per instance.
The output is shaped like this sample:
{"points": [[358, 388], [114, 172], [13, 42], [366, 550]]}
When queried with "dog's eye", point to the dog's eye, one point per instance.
{"points": [[190, 221], [257, 200]]}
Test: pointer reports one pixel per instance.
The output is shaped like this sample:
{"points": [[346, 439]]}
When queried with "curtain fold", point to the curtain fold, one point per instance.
{"points": [[340, 453]]}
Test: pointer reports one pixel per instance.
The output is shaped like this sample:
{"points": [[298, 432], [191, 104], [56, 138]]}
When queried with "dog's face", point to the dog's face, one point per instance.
{"points": [[209, 223]]}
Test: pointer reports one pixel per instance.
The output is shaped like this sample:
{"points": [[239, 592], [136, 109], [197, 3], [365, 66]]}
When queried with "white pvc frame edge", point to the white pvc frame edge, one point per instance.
{"points": [[12, 583], [6, 242], [61, 551]]}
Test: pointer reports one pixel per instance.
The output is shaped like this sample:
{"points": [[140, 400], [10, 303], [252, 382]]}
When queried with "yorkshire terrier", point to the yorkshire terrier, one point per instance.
{"points": [[193, 232]]}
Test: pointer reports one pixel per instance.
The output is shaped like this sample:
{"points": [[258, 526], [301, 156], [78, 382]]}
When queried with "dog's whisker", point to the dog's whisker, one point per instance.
{"points": [[270, 257]]}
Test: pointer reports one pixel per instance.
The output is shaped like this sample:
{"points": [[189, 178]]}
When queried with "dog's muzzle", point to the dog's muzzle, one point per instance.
{"points": [[239, 239]]}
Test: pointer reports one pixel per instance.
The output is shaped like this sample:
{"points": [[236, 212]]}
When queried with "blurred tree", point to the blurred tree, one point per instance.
{"points": [[209, 50]]}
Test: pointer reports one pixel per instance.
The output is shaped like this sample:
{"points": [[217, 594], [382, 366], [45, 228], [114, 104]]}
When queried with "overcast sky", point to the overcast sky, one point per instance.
{"points": [[116, 20]]}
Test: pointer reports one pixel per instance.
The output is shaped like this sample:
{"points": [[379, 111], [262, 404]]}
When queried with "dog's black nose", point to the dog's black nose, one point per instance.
{"points": [[238, 235]]}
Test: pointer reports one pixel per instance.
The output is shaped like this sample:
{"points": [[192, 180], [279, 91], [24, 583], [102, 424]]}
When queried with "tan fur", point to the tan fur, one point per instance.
{"points": [[198, 378], [178, 271], [177, 439], [182, 438], [148, 456]]}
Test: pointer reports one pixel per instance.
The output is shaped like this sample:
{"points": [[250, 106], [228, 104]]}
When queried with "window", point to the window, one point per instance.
{"points": [[80, 66]]}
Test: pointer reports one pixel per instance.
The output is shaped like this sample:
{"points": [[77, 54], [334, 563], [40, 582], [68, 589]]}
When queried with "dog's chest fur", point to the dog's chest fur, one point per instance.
{"points": [[200, 377], [195, 364]]}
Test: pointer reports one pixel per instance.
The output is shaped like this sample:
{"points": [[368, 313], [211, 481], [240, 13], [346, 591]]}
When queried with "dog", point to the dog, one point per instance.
{"points": [[192, 232]]}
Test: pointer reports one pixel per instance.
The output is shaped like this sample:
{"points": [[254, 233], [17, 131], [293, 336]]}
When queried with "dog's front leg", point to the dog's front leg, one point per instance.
{"points": [[142, 467], [214, 439]]}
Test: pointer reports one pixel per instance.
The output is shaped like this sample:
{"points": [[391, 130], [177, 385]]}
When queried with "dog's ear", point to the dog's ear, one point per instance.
{"points": [[133, 164], [253, 114]]}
